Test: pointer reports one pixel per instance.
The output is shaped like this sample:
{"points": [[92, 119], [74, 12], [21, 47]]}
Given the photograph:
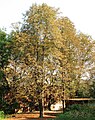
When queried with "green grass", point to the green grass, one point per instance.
{"points": [[78, 112]]}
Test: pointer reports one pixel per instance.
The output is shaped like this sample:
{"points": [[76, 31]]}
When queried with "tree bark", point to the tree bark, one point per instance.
{"points": [[41, 108]]}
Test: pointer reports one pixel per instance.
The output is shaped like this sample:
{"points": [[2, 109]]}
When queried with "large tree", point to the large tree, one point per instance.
{"points": [[48, 58], [32, 49]]}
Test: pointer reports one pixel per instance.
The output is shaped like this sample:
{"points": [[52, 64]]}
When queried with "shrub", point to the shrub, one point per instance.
{"points": [[78, 112], [2, 115], [74, 107], [75, 115]]}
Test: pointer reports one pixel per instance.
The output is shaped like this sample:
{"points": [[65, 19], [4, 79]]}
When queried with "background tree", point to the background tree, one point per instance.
{"points": [[5, 52], [84, 63]]}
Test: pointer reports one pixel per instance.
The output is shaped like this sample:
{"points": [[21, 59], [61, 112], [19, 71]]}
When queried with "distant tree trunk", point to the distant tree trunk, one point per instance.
{"points": [[63, 100], [51, 101], [49, 106], [64, 105]]}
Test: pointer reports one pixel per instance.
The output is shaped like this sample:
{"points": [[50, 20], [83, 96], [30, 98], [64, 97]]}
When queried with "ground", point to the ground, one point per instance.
{"points": [[34, 116]]}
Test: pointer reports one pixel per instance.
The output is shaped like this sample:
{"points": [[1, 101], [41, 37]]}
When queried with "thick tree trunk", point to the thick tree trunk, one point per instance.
{"points": [[41, 108]]}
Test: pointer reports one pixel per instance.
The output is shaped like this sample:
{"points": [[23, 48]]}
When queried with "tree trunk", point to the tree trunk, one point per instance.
{"points": [[64, 104], [64, 97], [41, 108], [49, 106]]}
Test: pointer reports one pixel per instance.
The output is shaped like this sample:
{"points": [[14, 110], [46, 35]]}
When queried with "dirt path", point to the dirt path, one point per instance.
{"points": [[34, 116]]}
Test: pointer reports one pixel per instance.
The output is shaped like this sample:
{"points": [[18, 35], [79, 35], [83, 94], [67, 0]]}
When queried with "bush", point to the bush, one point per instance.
{"points": [[81, 108], [78, 112], [74, 107], [75, 115], [2, 115]]}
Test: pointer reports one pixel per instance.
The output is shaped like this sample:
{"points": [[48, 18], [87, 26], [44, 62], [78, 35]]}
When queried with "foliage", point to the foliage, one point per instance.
{"points": [[32, 45], [45, 59], [92, 89], [4, 57], [5, 41], [2, 116], [78, 112]]}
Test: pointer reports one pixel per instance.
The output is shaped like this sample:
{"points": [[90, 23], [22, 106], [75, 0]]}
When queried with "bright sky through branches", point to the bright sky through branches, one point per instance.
{"points": [[80, 12]]}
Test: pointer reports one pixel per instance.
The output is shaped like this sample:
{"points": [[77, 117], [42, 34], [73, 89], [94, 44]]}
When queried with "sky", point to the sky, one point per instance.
{"points": [[80, 12]]}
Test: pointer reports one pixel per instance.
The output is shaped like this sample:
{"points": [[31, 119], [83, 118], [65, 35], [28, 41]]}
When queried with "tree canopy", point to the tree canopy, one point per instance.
{"points": [[46, 60]]}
